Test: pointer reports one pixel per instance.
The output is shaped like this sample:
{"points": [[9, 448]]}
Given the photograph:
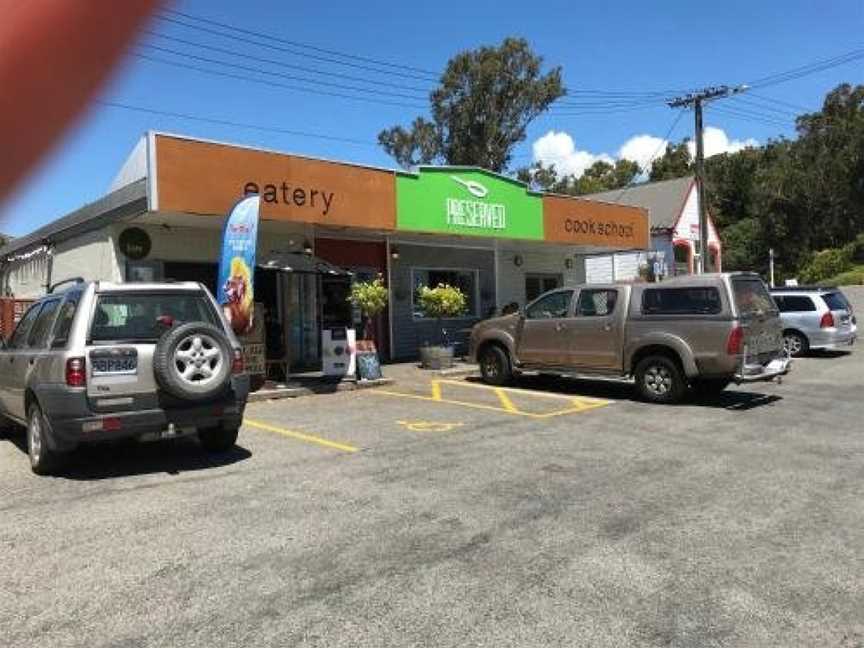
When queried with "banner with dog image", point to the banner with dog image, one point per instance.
{"points": [[237, 264]]}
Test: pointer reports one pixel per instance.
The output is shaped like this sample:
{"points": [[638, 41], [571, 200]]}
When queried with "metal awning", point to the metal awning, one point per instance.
{"points": [[299, 262]]}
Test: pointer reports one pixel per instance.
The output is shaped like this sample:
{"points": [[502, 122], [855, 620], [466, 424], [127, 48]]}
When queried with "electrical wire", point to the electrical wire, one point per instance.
{"points": [[233, 124], [290, 77], [288, 50], [247, 79], [663, 143], [270, 61], [729, 112], [309, 46], [806, 70]]}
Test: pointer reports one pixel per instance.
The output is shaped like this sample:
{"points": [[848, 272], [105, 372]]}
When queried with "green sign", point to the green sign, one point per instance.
{"points": [[467, 202]]}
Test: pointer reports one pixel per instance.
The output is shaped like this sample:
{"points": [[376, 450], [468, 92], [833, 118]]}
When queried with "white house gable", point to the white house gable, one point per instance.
{"points": [[687, 227]]}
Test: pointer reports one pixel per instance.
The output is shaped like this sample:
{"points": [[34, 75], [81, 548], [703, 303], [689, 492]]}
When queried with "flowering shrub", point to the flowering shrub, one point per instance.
{"points": [[441, 301]]}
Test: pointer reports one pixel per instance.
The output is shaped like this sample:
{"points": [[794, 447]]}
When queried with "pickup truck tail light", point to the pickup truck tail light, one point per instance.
{"points": [[736, 341], [76, 372], [827, 320], [237, 366]]}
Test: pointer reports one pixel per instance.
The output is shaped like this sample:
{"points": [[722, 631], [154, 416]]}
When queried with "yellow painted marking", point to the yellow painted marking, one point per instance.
{"points": [[436, 390], [429, 426], [308, 438], [518, 390], [506, 403], [490, 408]]}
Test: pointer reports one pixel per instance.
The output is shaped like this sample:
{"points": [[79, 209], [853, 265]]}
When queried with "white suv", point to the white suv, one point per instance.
{"points": [[101, 361]]}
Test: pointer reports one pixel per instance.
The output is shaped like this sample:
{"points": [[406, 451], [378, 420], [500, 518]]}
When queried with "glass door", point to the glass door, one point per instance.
{"points": [[302, 327]]}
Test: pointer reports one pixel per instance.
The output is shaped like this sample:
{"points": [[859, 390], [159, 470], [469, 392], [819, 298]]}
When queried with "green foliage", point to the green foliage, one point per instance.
{"points": [[369, 296], [674, 163], [853, 277], [600, 176], [825, 264], [484, 102], [441, 301]]}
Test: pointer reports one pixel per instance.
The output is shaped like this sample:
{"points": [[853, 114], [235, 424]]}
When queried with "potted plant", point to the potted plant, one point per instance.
{"points": [[371, 298], [439, 302]]}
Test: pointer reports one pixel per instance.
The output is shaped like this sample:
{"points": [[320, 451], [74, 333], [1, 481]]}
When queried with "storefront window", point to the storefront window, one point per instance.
{"points": [[464, 280], [537, 284]]}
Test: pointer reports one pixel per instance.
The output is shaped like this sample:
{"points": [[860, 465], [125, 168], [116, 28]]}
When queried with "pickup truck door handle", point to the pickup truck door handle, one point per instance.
{"points": [[560, 327], [31, 361], [607, 327]]}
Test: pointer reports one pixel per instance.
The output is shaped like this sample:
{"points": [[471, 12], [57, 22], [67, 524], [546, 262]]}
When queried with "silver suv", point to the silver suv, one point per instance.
{"points": [[815, 318], [101, 361]]}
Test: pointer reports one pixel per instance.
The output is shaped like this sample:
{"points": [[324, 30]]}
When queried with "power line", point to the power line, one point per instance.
{"points": [[780, 102], [290, 77], [664, 141], [751, 117], [271, 84], [314, 48], [806, 70], [295, 52], [785, 112], [302, 68], [233, 124]]}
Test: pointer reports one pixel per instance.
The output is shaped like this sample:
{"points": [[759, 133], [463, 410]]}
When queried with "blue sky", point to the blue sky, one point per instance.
{"points": [[644, 46]]}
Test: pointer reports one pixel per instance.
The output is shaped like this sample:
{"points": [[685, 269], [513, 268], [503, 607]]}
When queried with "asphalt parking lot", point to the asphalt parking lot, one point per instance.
{"points": [[446, 513]]}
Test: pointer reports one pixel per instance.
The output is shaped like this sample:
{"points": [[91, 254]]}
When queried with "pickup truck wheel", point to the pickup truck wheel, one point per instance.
{"points": [[43, 460], [495, 365], [218, 439], [659, 380]]}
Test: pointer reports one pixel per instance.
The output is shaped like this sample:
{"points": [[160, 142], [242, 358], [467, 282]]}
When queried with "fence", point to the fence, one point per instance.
{"points": [[11, 310]]}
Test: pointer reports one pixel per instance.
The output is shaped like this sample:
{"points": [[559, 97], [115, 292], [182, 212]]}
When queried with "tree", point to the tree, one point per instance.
{"points": [[600, 176], [674, 163], [485, 100]]}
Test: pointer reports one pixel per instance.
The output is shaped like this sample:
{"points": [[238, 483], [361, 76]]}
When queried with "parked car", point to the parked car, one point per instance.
{"points": [[701, 331], [815, 318], [101, 361]]}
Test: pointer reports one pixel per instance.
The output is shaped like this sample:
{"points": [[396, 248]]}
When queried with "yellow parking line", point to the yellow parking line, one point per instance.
{"points": [[436, 390], [518, 390], [308, 438], [431, 399], [506, 403]]}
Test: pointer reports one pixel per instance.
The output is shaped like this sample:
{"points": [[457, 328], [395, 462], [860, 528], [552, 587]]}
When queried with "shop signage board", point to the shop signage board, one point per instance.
{"points": [[198, 177], [573, 221], [467, 202]]}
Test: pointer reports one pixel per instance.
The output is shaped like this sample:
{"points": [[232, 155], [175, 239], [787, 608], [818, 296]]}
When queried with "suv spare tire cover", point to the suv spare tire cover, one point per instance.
{"points": [[193, 361]]}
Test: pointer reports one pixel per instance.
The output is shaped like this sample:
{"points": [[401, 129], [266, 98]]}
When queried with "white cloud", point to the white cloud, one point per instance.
{"points": [[717, 142], [643, 149], [558, 148]]}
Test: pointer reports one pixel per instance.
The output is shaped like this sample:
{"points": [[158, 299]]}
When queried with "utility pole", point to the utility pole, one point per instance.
{"points": [[696, 101]]}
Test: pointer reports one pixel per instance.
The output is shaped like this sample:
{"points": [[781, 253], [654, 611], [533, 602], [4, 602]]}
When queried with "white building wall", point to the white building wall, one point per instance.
{"points": [[548, 260], [26, 278], [90, 256], [688, 225]]}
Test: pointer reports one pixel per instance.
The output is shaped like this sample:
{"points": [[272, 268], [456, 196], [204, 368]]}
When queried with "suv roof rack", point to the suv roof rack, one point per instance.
{"points": [[75, 280]]}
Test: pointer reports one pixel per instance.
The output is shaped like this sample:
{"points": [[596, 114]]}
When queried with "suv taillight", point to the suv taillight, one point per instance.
{"points": [[735, 341], [827, 320], [76, 372], [237, 366]]}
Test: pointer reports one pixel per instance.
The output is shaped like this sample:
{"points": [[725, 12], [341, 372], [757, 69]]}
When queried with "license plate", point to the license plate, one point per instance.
{"points": [[121, 365]]}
